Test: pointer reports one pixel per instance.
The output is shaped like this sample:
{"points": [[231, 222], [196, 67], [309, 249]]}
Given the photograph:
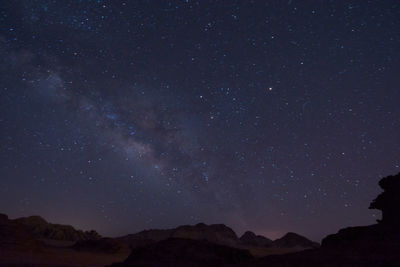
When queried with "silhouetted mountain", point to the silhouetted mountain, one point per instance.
{"points": [[294, 240], [42, 229], [251, 239], [373, 245], [16, 236], [34, 232], [185, 252], [218, 245], [151, 235], [216, 233]]}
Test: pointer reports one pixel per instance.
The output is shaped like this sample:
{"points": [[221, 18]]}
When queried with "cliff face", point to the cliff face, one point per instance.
{"points": [[385, 234], [40, 228], [388, 201], [16, 236], [34, 228], [216, 233]]}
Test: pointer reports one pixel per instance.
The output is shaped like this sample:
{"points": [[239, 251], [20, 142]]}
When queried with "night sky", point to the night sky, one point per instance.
{"points": [[270, 116]]}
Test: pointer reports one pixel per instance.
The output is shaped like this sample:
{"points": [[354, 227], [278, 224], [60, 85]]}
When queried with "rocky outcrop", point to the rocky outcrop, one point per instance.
{"points": [[216, 233], [291, 240], [17, 237], [219, 234], [388, 201], [40, 228], [372, 245], [383, 235], [33, 232], [3, 218], [185, 252], [145, 237], [251, 239], [361, 236]]}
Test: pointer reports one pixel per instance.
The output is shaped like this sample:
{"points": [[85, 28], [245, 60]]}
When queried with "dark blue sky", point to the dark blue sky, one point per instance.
{"points": [[270, 116]]}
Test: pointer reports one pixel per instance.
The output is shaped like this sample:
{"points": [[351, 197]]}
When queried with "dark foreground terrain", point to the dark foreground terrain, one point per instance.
{"points": [[32, 241]]}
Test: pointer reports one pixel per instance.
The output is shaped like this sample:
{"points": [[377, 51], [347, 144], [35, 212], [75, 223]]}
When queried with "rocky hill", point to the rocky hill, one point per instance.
{"points": [[216, 233], [251, 239], [40, 228], [294, 240], [16, 236]]}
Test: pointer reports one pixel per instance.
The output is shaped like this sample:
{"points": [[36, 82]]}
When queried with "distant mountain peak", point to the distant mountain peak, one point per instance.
{"points": [[217, 233], [251, 239], [43, 229], [291, 239]]}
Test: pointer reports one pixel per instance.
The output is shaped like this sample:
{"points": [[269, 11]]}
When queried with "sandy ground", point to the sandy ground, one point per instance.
{"points": [[59, 253], [59, 257], [262, 252]]}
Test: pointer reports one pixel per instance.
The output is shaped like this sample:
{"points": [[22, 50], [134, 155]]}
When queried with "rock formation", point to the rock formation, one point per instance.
{"points": [[389, 200], [383, 234], [42, 229], [16, 236], [251, 239], [290, 240], [216, 233]]}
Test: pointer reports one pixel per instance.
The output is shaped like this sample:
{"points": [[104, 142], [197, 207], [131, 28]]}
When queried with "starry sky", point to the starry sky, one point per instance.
{"points": [[270, 116]]}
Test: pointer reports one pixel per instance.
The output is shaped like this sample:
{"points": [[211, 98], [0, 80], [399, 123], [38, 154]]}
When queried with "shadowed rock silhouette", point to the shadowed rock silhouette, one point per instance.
{"points": [[43, 229], [251, 239], [389, 200], [294, 240], [382, 235], [216, 245], [216, 233], [372, 245]]}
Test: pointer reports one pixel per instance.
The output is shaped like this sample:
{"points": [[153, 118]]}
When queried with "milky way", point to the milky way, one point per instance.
{"points": [[270, 116]]}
